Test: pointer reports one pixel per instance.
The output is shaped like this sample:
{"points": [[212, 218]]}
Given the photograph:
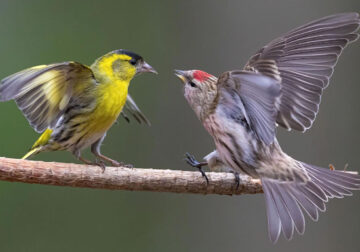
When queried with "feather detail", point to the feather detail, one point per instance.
{"points": [[304, 60], [133, 109], [43, 93], [284, 199], [257, 93]]}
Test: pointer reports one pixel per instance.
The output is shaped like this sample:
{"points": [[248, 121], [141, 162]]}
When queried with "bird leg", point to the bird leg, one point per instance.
{"points": [[85, 161], [95, 149], [100, 163], [112, 161], [237, 179], [190, 159], [88, 162]]}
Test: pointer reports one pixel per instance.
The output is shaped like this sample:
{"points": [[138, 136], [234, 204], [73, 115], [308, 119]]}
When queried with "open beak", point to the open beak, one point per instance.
{"points": [[146, 68], [181, 74]]}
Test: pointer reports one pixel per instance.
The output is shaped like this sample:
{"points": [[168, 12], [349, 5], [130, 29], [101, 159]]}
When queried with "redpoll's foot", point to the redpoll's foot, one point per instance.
{"points": [[237, 179], [190, 159]]}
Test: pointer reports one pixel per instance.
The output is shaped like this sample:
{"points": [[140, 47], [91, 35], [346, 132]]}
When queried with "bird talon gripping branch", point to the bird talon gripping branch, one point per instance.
{"points": [[122, 164], [101, 164], [191, 160], [237, 179]]}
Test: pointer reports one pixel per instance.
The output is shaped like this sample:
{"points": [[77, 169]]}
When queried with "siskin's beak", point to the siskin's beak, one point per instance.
{"points": [[181, 74], [146, 68]]}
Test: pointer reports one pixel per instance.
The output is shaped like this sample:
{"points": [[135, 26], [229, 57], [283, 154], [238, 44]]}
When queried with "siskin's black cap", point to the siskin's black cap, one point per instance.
{"points": [[133, 55]]}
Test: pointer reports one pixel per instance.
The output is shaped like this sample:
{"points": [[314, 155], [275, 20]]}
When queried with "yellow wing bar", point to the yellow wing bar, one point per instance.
{"points": [[43, 92]]}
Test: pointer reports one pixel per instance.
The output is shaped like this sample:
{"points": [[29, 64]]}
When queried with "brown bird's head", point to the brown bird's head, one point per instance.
{"points": [[200, 90]]}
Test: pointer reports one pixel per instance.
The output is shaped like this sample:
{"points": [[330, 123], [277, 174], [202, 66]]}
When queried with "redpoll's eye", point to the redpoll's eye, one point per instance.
{"points": [[192, 84]]}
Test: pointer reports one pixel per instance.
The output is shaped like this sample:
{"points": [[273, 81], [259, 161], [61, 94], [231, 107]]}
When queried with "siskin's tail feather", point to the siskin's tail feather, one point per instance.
{"points": [[32, 152], [39, 144], [286, 201]]}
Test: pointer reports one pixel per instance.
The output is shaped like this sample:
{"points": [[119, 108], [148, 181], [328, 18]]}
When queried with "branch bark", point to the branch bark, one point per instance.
{"points": [[119, 178]]}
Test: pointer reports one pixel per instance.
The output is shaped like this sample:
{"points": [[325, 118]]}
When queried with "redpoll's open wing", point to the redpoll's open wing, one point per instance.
{"points": [[43, 92], [131, 108], [304, 60], [257, 94]]}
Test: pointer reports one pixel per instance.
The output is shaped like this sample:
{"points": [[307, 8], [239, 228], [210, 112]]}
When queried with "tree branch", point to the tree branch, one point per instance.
{"points": [[119, 178]]}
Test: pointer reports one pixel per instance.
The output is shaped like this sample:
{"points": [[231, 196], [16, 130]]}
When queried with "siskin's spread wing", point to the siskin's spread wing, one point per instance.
{"points": [[131, 108], [304, 60], [43, 92]]}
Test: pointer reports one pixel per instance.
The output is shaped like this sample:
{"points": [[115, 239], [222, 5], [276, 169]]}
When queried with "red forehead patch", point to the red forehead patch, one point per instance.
{"points": [[200, 75]]}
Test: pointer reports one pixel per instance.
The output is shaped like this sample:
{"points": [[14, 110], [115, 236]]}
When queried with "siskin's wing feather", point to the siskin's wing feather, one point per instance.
{"points": [[131, 108], [304, 60], [43, 92]]}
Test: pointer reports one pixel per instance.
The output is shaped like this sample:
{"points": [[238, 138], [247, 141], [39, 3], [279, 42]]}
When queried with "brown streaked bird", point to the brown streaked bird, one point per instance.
{"points": [[280, 85]]}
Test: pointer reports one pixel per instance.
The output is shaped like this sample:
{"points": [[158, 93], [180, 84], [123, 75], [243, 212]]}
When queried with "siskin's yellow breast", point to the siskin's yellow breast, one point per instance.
{"points": [[111, 99]]}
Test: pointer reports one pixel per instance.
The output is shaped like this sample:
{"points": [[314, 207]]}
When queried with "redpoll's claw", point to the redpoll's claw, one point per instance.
{"points": [[237, 179], [190, 159]]}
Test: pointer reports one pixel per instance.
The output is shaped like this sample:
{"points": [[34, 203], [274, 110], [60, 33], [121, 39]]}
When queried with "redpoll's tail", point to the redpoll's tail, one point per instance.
{"points": [[286, 201]]}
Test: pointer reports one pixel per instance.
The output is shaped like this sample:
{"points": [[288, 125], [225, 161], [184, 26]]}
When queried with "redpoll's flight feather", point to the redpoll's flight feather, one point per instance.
{"points": [[281, 84]]}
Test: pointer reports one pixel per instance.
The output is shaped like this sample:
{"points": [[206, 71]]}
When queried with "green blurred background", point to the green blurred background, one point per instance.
{"points": [[210, 35]]}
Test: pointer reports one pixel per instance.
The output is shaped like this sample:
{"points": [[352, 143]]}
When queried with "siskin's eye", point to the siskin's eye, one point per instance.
{"points": [[132, 62], [192, 84]]}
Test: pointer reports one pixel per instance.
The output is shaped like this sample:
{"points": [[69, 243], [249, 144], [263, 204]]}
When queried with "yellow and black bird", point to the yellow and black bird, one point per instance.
{"points": [[75, 105]]}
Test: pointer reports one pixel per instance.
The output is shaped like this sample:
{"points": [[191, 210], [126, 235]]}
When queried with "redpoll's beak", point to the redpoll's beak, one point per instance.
{"points": [[146, 68], [181, 74]]}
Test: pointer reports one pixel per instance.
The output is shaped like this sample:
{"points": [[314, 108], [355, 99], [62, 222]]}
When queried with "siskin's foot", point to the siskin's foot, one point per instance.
{"points": [[190, 159], [112, 161], [100, 163], [120, 164]]}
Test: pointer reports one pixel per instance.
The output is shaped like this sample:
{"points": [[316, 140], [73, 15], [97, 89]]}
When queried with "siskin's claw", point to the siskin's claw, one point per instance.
{"points": [[128, 166], [100, 163], [120, 164]]}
